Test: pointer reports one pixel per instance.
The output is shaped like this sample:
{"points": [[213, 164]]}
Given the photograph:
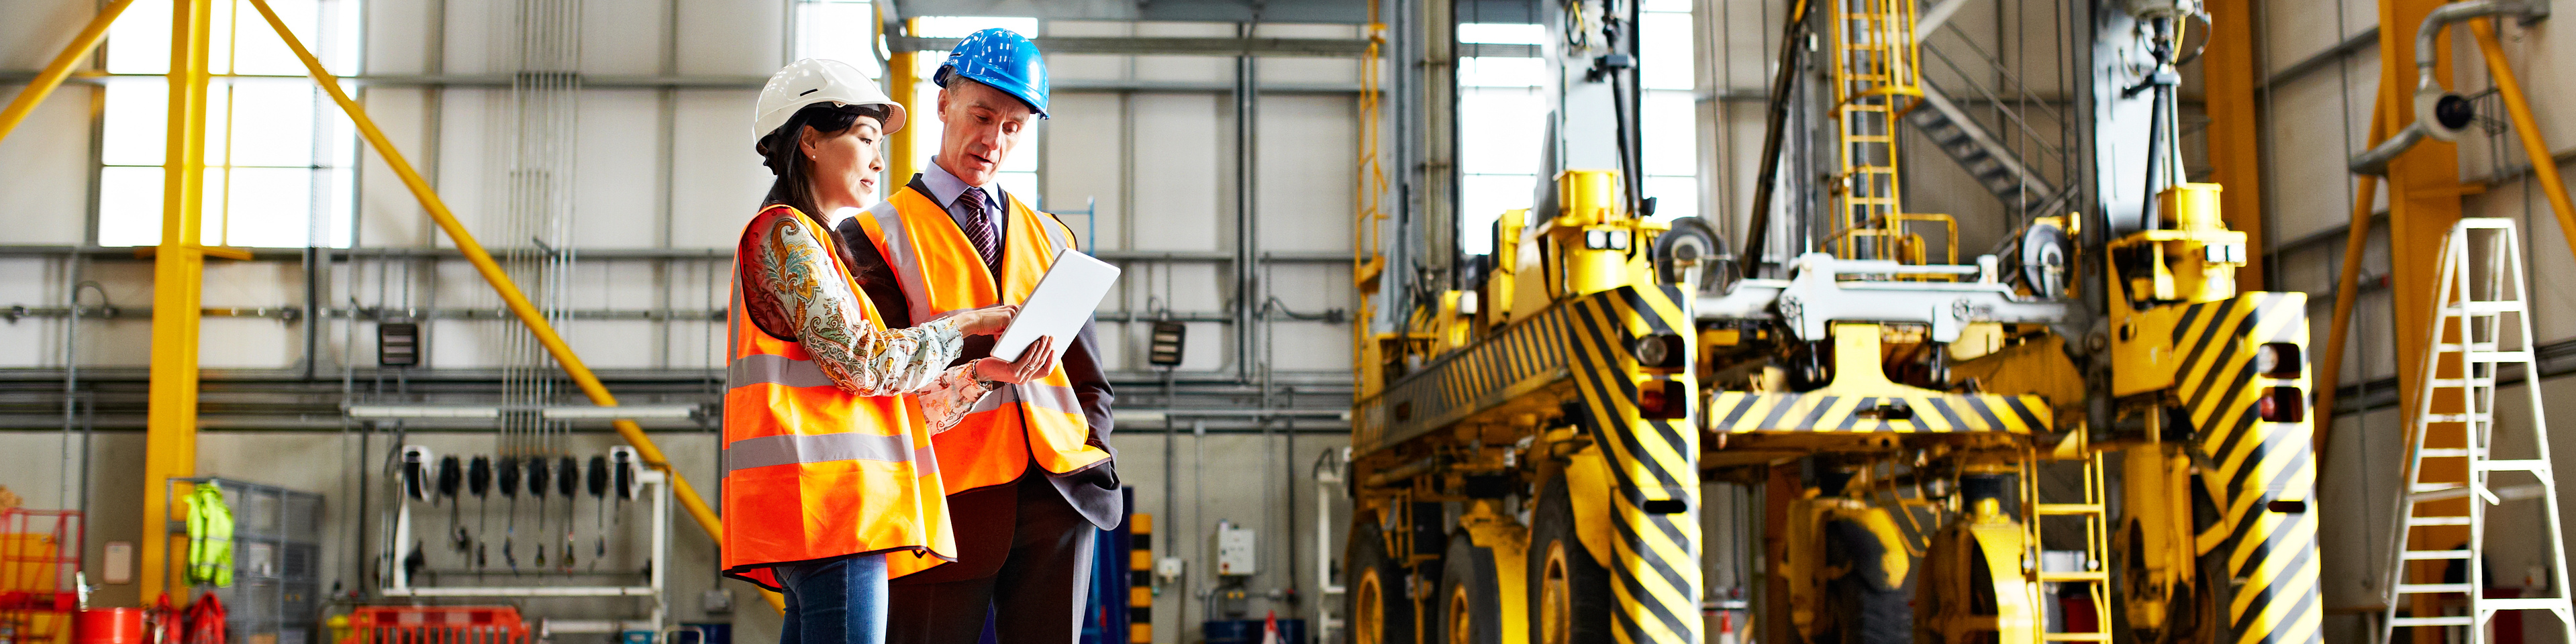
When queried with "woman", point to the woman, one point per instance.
{"points": [[827, 461]]}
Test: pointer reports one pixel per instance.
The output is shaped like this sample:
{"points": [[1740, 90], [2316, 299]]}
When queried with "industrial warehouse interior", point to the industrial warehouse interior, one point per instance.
{"points": [[1411, 321]]}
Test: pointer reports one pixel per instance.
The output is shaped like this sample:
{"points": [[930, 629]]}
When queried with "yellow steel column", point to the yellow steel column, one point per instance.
{"points": [[2423, 202], [178, 281], [2227, 71], [902, 76], [2328, 377]]}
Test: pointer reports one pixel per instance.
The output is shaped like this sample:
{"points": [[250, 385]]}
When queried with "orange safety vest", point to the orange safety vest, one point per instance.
{"points": [[941, 272], [812, 472]]}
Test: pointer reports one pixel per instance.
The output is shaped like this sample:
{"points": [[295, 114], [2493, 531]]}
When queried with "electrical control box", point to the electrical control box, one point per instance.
{"points": [[1236, 550]]}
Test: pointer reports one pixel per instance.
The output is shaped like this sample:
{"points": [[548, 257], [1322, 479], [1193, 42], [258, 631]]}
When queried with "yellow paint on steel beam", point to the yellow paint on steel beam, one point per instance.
{"points": [[54, 72], [2543, 167], [2228, 72], [2423, 202], [509, 291], [904, 153], [178, 285], [2356, 240]]}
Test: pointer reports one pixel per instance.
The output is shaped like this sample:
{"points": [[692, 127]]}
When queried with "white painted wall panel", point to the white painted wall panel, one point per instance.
{"points": [[476, 42], [616, 190], [1179, 171], [44, 169], [388, 214], [626, 37], [398, 36], [718, 181], [1308, 178], [737, 38], [2310, 189], [1084, 161]]}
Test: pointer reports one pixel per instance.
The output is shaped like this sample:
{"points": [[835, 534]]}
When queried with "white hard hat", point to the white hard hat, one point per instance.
{"points": [[818, 80]]}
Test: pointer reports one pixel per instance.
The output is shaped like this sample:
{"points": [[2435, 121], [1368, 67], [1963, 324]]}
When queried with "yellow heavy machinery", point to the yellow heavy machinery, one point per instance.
{"points": [[1998, 451]]}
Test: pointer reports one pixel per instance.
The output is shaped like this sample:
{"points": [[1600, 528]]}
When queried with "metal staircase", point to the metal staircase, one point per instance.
{"points": [[1978, 149], [1994, 165], [2452, 466]]}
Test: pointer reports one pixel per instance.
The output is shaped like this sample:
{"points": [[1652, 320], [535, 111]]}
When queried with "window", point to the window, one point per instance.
{"points": [[838, 30], [1669, 112], [280, 157], [1503, 101], [1019, 174], [823, 29]]}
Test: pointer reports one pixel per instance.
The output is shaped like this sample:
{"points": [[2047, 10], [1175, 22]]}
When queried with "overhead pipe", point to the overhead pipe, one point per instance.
{"points": [[2440, 114]]}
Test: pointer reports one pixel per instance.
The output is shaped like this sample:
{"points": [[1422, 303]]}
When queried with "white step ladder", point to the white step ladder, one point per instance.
{"points": [[2472, 343]]}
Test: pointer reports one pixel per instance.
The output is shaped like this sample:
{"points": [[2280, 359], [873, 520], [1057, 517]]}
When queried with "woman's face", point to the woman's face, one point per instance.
{"points": [[849, 160]]}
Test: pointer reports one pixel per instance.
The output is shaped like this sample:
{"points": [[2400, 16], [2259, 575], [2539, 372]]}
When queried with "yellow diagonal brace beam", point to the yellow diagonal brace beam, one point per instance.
{"points": [[491, 270], [54, 72], [2544, 167]]}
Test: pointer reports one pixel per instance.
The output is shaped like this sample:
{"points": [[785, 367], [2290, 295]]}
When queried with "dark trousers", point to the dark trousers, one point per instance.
{"points": [[1024, 558]]}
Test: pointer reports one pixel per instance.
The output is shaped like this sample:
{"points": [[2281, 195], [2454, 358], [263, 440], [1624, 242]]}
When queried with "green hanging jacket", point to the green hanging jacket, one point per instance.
{"points": [[210, 537]]}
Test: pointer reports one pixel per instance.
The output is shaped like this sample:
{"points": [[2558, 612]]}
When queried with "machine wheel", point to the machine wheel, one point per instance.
{"points": [[1870, 607], [1379, 612], [1569, 592], [1471, 610]]}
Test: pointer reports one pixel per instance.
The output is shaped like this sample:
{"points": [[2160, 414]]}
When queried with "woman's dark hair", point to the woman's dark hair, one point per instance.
{"points": [[778, 150]]}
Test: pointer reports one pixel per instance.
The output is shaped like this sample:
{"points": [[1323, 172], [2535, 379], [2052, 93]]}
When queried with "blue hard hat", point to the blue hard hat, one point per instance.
{"points": [[1003, 59]]}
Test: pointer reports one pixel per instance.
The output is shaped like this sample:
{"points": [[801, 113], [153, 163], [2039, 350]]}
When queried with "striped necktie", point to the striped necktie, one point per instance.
{"points": [[979, 229]]}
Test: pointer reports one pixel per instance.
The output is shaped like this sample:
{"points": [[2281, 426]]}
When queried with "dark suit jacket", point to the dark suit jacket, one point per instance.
{"points": [[1093, 491]]}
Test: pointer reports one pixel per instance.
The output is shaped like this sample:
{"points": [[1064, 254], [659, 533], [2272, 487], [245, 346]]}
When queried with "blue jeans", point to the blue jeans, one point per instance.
{"points": [[835, 601]]}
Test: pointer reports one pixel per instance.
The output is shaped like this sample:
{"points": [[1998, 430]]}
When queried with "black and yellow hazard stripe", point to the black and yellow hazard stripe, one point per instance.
{"points": [[1521, 357], [1140, 578], [1655, 561], [1744, 411], [2266, 470]]}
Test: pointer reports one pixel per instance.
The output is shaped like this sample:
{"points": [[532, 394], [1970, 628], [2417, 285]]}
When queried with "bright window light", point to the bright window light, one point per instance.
{"points": [[1019, 173], [1502, 115], [1669, 113], [1501, 33], [279, 158], [960, 26], [838, 30]]}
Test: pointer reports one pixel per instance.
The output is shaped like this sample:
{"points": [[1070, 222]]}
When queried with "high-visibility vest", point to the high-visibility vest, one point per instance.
{"points": [[810, 471], [210, 536], [1039, 421]]}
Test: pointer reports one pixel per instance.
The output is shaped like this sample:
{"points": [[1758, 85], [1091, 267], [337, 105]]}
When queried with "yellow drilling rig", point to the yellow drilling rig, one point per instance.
{"points": [[2088, 436]]}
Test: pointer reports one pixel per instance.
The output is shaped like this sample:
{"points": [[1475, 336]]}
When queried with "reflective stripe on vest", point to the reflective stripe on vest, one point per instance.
{"points": [[810, 471], [940, 271]]}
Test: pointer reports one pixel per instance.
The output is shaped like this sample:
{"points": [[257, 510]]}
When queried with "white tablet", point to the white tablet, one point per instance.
{"points": [[1063, 300]]}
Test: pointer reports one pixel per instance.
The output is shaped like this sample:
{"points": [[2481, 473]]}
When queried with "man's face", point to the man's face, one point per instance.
{"points": [[980, 126]]}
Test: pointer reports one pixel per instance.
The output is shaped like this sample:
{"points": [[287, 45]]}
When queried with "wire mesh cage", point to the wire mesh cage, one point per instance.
{"points": [[39, 555], [274, 597]]}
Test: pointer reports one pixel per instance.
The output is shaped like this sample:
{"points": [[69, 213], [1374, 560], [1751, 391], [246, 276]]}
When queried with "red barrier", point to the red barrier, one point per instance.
{"points": [[39, 552], [436, 625]]}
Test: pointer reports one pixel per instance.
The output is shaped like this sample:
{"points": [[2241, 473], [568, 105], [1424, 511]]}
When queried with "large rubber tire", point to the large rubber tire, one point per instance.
{"points": [[1869, 608], [1470, 601], [1378, 611], [1570, 600]]}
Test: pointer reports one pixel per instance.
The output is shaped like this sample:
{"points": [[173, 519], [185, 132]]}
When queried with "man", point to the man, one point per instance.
{"points": [[1029, 472]]}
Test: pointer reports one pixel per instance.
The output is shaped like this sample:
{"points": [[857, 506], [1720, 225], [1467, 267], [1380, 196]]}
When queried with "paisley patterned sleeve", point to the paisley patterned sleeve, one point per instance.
{"points": [[823, 311]]}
